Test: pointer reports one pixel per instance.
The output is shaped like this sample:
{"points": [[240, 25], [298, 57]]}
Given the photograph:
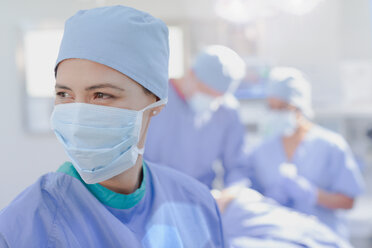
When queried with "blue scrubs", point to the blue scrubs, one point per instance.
{"points": [[179, 139], [60, 210], [323, 158], [255, 221]]}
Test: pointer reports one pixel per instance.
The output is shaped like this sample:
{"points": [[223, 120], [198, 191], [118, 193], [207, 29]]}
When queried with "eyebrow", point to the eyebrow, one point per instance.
{"points": [[94, 87], [105, 85], [62, 87]]}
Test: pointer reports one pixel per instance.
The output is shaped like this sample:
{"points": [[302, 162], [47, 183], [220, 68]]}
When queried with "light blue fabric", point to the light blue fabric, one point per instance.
{"points": [[219, 67], [279, 122], [125, 39], [101, 141], [3, 242], [323, 158], [176, 139], [106, 196], [302, 193], [59, 211], [254, 221], [290, 85]]}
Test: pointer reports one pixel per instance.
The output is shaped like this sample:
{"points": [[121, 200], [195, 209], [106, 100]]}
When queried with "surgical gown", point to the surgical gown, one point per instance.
{"points": [[323, 158], [252, 220], [59, 210], [180, 139]]}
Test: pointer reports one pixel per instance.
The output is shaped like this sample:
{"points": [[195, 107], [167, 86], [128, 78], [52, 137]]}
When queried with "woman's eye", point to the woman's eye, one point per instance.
{"points": [[100, 95], [62, 94]]}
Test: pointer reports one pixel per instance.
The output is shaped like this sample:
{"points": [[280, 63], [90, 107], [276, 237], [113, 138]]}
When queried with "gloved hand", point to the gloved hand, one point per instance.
{"points": [[302, 192], [277, 193]]}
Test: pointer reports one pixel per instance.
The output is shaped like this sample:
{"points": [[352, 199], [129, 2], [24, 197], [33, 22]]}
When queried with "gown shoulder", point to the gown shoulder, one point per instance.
{"points": [[31, 214]]}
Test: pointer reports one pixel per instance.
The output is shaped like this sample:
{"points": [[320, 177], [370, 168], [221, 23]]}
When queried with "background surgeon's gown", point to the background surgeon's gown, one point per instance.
{"points": [[177, 139], [59, 211], [323, 158]]}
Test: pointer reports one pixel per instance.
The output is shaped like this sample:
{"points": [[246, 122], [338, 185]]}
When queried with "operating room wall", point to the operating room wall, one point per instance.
{"points": [[317, 43]]}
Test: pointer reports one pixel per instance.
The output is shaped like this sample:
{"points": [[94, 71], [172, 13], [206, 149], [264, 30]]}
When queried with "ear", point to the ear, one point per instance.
{"points": [[155, 111]]}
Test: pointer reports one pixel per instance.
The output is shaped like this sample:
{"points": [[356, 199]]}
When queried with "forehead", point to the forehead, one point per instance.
{"points": [[84, 64], [81, 72]]}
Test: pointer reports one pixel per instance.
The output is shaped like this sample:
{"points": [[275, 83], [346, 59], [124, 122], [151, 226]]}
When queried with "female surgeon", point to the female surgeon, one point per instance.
{"points": [[111, 79], [302, 165]]}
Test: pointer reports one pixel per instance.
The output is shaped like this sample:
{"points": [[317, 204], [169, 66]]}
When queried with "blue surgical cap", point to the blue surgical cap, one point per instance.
{"points": [[125, 39], [290, 85], [219, 67]]}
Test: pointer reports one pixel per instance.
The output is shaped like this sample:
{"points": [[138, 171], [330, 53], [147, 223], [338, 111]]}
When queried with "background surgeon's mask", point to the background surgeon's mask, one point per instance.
{"points": [[101, 141], [279, 122], [200, 103]]}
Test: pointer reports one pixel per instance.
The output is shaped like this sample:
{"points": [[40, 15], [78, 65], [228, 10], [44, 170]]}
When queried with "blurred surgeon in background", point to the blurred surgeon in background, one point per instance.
{"points": [[300, 164], [200, 124]]}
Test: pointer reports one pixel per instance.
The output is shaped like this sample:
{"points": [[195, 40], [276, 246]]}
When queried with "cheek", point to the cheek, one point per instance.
{"points": [[145, 124], [145, 120], [133, 101], [61, 101], [124, 102]]}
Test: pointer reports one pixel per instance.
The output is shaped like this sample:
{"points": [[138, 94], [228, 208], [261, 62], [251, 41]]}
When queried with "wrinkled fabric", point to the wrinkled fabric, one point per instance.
{"points": [[254, 221], [101, 141], [59, 211], [323, 158], [180, 139], [106, 196], [128, 40]]}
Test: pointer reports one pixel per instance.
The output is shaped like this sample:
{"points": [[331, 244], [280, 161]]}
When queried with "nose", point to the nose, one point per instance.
{"points": [[81, 99]]}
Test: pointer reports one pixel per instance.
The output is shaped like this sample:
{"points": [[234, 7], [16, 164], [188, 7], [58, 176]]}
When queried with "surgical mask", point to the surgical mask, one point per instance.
{"points": [[200, 102], [101, 141], [279, 122]]}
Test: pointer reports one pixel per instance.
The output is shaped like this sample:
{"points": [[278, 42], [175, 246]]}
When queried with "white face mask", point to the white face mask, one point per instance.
{"points": [[279, 123], [200, 102], [101, 141]]}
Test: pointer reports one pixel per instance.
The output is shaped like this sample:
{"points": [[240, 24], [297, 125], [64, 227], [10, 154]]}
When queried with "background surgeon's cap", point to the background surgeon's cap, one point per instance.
{"points": [[125, 39], [290, 85], [219, 67]]}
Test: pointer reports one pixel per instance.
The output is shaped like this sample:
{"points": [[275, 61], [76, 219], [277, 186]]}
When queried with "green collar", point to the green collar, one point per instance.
{"points": [[106, 196]]}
